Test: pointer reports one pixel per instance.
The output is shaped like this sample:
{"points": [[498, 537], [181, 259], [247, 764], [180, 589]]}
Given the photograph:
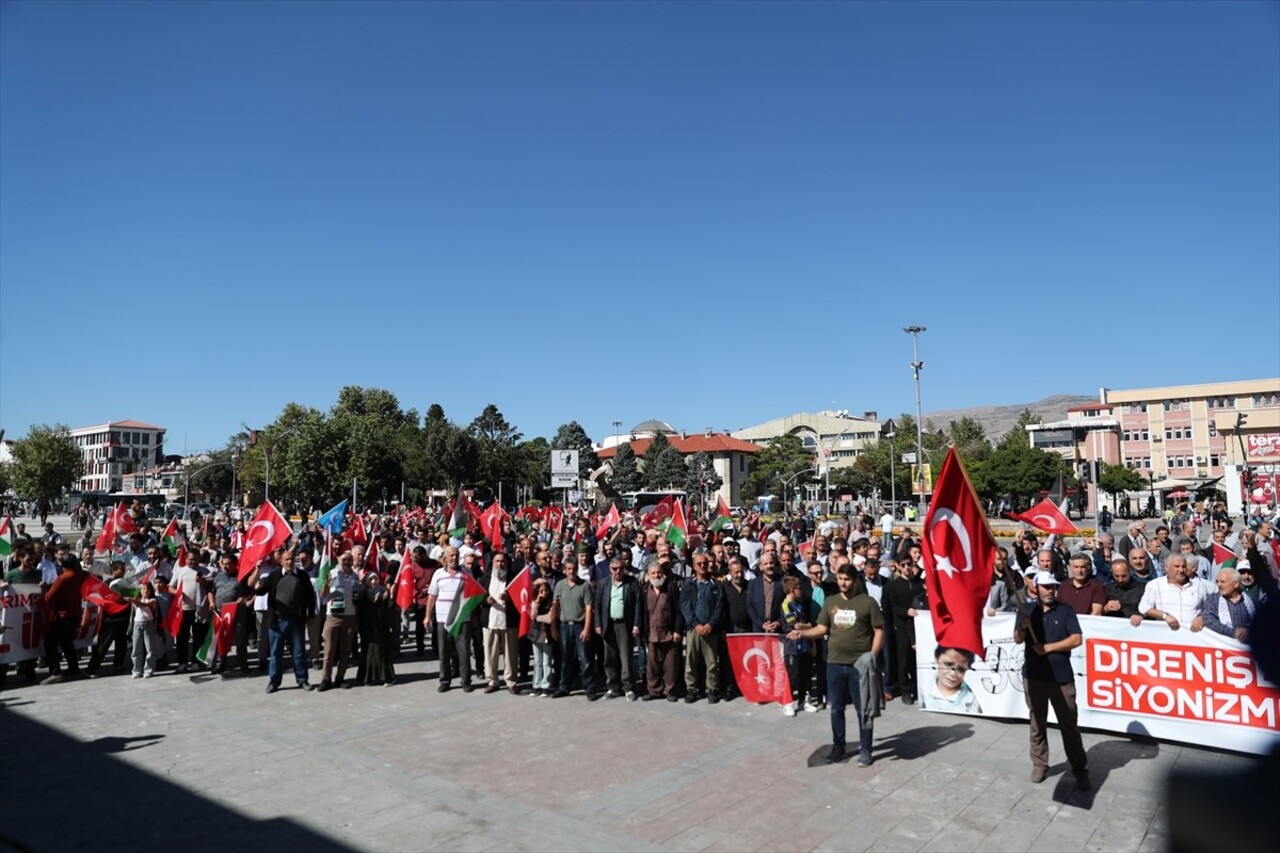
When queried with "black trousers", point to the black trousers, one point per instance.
{"points": [[618, 672], [61, 638], [455, 657], [115, 636], [906, 660]]}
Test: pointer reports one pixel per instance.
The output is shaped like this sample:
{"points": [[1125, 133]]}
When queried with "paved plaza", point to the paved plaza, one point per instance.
{"points": [[194, 761], [198, 762]]}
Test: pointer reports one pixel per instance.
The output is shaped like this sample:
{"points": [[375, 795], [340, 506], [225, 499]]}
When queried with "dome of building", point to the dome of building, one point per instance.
{"points": [[653, 427]]}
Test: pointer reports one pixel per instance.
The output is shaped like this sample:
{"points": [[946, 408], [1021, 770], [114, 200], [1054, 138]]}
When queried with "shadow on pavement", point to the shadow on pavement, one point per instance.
{"points": [[1103, 759], [919, 742], [65, 794]]}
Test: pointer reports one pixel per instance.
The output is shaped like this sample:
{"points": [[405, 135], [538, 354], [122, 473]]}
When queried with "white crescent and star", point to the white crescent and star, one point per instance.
{"points": [[948, 516], [746, 663], [1049, 521], [271, 531]]}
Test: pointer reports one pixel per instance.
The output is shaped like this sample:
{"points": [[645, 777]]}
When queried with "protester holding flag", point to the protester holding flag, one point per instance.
{"points": [[854, 626], [229, 590], [113, 633], [291, 600], [146, 616], [501, 628], [443, 598], [1048, 633]]}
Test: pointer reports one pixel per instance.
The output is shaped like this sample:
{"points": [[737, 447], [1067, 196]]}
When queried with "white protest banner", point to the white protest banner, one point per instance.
{"points": [[1147, 680], [22, 617]]}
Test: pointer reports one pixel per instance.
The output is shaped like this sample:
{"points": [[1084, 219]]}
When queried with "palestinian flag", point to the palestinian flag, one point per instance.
{"points": [[723, 517], [678, 527], [6, 536], [457, 524], [1223, 557], [326, 569], [171, 539], [470, 597]]}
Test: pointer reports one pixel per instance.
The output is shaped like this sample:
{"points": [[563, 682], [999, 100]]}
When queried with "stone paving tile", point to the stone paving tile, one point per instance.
{"points": [[406, 768]]}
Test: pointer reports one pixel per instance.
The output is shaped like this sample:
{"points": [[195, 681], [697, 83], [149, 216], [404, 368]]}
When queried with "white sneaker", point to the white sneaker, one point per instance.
{"points": [[789, 709], [811, 708]]}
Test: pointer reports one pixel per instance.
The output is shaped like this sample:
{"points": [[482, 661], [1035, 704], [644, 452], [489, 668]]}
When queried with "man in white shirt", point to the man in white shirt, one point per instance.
{"points": [[1177, 598], [185, 585], [886, 532], [455, 658], [499, 634], [749, 547]]}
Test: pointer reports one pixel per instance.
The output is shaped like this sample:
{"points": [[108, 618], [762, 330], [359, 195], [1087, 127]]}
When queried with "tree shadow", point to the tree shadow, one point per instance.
{"points": [[1103, 758], [72, 771], [919, 742]]}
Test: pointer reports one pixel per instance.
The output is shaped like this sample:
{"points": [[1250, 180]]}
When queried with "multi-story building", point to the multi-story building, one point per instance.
{"points": [[730, 457], [834, 436], [115, 450]]}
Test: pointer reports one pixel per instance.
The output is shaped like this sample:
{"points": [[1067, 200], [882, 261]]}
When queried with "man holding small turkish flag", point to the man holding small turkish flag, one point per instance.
{"points": [[959, 558], [268, 531]]}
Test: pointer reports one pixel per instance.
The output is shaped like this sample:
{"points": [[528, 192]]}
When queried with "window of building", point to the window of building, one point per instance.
{"points": [[146, 438], [1168, 434], [1215, 460], [1146, 435]]}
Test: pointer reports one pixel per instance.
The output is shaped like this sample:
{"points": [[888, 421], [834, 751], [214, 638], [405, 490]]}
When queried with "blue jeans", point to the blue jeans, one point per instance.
{"points": [[541, 666], [573, 649], [294, 630], [842, 690]]}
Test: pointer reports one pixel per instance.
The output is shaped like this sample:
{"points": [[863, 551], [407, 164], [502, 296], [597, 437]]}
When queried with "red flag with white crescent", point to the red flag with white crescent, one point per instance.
{"points": [[554, 517], [405, 589], [610, 521], [1047, 517], [520, 591], [959, 558], [268, 531], [173, 619], [759, 668]]}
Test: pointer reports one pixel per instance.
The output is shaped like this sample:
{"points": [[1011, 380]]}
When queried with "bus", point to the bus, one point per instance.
{"points": [[644, 502]]}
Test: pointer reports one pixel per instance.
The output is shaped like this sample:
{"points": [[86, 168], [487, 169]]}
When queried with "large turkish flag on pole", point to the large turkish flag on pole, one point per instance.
{"points": [[268, 531], [959, 558], [758, 667], [520, 590]]}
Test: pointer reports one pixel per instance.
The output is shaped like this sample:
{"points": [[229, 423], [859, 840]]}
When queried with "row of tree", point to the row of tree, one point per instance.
{"points": [[367, 437]]}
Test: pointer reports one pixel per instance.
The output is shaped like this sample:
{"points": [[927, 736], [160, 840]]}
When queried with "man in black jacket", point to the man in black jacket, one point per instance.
{"points": [[617, 625], [764, 597], [292, 601], [901, 593]]}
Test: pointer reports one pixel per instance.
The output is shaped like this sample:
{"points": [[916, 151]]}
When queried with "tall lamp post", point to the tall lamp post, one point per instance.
{"points": [[266, 452], [916, 366], [889, 431], [186, 487]]}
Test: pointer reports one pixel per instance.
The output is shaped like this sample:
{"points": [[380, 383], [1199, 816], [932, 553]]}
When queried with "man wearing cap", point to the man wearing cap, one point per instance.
{"points": [[1049, 632], [1249, 583], [64, 612]]}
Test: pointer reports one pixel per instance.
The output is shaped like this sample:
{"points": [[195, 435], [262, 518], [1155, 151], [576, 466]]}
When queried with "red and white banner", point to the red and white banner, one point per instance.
{"points": [[1263, 446], [758, 667], [22, 617], [1200, 688]]}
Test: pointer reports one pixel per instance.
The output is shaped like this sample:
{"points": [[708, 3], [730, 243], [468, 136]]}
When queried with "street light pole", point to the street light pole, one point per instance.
{"points": [[916, 366], [891, 434]]}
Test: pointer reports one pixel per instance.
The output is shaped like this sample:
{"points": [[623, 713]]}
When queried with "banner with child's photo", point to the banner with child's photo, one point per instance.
{"points": [[1149, 680]]}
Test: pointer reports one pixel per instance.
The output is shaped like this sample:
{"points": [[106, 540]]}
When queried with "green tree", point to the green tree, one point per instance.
{"points": [[781, 463], [314, 470], [572, 436], [6, 477], [496, 442], [1017, 434], [626, 476], [45, 462], [534, 467], [701, 477], [664, 467], [860, 478], [211, 476], [970, 439], [1115, 480], [1021, 472]]}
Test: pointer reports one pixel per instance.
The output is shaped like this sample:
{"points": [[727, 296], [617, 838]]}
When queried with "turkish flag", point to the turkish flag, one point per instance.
{"points": [[959, 558], [404, 583], [610, 521], [1047, 517], [124, 522], [224, 628], [491, 524], [173, 619], [660, 513], [268, 531], [520, 590], [98, 593], [107, 538], [554, 517], [758, 667], [357, 534]]}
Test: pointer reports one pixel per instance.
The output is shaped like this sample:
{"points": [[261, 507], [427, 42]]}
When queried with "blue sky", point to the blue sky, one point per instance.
{"points": [[710, 213]]}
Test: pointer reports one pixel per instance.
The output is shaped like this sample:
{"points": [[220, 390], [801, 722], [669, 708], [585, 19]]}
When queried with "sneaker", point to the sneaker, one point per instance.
{"points": [[306, 685], [137, 675], [612, 694], [631, 696], [864, 759], [789, 709], [810, 707], [147, 674], [836, 755]]}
